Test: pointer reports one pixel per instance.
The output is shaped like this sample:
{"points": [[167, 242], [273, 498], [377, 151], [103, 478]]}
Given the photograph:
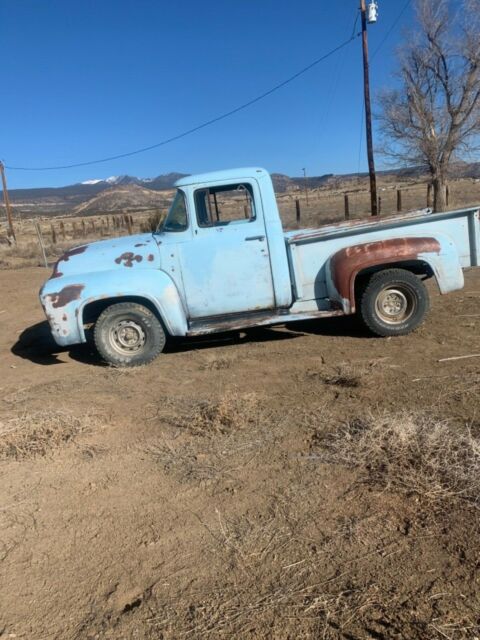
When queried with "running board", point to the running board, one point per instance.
{"points": [[219, 324]]}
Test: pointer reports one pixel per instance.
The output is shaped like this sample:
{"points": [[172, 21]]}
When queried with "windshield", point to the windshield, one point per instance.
{"points": [[176, 219]]}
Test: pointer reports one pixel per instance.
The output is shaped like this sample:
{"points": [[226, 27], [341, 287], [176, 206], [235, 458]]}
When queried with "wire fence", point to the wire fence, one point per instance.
{"points": [[51, 235]]}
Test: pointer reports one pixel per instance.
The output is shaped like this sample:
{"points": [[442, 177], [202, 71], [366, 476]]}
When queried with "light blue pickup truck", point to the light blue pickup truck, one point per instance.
{"points": [[221, 261]]}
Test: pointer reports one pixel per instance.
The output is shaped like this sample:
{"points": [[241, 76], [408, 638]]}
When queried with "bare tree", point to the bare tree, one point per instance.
{"points": [[433, 117]]}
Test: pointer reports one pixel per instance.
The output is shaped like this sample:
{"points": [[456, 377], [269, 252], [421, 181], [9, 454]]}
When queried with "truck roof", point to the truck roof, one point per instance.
{"points": [[217, 176]]}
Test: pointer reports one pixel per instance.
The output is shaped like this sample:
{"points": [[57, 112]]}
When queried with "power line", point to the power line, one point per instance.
{"points": [[387, 35], [198, 127]]}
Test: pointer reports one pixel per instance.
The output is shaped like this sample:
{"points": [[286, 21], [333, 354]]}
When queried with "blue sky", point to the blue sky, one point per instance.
{"points": [[86, 79]]}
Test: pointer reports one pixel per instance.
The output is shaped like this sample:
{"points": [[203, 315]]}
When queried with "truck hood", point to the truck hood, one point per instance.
{"points": [[129, 252]]}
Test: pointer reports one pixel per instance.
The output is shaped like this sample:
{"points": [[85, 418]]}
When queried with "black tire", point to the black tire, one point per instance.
{"points": [[128, 334], [393, 302]]}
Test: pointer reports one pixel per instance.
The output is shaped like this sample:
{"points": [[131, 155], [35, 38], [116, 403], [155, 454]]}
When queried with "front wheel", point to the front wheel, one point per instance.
{"points": [[127, 334], [393, 303]]}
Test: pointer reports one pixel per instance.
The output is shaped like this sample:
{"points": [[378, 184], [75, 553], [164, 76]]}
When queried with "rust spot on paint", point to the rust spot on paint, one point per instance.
{"points": [[66, 295], [150, 257], [128, 258], [347, 262], [75, 251]]}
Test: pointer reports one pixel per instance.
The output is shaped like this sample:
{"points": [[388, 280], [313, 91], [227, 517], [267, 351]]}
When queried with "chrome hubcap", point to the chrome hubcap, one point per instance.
{"points": [[127, 337], [395, 305]]}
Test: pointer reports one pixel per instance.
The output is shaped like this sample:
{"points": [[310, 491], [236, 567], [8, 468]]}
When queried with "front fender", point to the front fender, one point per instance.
{"points": [[438, 252], [64, 299]]}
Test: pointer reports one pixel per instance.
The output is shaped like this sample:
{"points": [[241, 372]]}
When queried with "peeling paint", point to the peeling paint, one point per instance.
{"points": [[67, 294], [346, 263]]}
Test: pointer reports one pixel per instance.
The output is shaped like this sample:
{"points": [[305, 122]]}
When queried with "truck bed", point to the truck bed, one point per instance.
{"points": [[310, 250]]}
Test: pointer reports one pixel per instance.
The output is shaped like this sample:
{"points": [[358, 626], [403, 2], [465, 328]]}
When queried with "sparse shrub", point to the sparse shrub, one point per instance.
{"points": [[36, 433], [153, 221], [232, 411], [409, 452], [216, 363]]}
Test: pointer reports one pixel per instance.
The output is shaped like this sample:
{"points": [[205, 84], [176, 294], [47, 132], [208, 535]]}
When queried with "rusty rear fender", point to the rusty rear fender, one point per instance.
{"points": [[434, 255]]}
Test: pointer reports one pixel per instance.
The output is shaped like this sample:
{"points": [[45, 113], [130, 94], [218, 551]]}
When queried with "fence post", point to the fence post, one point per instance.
{"points": [[40, 240], [297, 210], [347, 206], [92, 224], [399, 200], [54, 234], [84, 228], [129, 224], [429, 194], [447, 194], [379, 205]]}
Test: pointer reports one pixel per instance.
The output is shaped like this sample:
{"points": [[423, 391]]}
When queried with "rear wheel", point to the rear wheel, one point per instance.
{"points": [[127, 334], [394, 302]]}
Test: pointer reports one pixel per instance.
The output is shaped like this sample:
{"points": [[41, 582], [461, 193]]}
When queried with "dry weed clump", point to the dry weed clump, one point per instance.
{"points": [[346, 376], [232, 411], [411, 453], [230, 432], [36, 433]]}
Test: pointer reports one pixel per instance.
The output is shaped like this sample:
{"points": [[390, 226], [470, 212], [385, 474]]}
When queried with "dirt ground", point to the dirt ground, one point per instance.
{"points": [[195, 498]]}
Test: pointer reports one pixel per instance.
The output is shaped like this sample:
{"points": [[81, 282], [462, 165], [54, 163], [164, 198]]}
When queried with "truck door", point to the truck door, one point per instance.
{"points": [[226, 266]]}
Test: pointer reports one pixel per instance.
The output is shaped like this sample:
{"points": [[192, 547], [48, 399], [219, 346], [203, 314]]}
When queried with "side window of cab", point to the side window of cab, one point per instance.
{"points": [[225, 204]]}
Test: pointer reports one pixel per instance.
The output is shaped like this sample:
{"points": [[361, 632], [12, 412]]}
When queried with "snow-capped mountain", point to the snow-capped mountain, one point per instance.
{"points": [[160, 182]]}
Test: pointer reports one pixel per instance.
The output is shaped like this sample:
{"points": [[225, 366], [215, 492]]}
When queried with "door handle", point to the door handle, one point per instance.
{"points": [[261, 238]]}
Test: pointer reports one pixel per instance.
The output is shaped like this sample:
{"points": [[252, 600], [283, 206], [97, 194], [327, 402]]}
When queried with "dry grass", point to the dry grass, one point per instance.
{"points": [[232, 411], [37, 433], [216, 363], [153, 221], [229, 433], [410, 453]]}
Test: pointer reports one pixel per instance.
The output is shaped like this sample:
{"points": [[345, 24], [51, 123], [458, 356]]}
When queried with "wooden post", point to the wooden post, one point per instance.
{"points": [[379, 210], [6, 200], [368, 114], [129, 224], [347, 207], [447, 194], [399, 200], [84, 228], [429, 194], [74, 230], [92, 224], [62, 229], [40, 241], [297, 210], [54, 234]]}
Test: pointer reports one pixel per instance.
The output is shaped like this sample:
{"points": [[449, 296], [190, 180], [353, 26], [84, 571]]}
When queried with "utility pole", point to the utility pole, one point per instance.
{"points": [[305, 183], [368, 108], [6, 200]]}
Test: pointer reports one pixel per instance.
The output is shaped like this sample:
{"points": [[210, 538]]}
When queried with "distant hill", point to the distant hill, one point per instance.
{"points": [[136, 194], [125, 197]]}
